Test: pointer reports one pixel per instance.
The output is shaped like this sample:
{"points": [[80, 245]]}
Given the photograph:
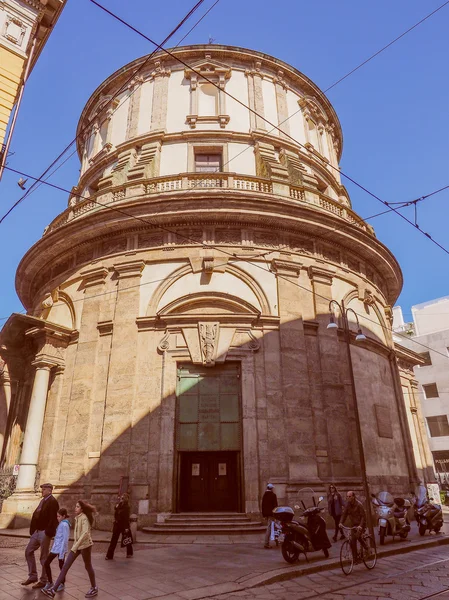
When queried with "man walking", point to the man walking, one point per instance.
{"points": [[269, 503], [42, 529]]}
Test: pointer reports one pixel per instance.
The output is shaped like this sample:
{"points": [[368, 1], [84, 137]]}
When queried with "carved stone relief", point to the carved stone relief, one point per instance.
{"points": [[209, 339]]}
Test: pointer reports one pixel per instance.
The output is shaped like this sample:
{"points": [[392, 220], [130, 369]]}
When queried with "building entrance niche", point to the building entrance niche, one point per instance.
{"points": [[208, 438]]}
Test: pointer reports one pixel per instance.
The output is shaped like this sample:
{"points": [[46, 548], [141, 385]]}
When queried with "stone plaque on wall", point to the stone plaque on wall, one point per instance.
{"points": [[383, 419]]}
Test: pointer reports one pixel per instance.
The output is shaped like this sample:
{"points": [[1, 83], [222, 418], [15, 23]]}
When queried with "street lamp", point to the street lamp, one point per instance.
{"points": [[359, 338]]}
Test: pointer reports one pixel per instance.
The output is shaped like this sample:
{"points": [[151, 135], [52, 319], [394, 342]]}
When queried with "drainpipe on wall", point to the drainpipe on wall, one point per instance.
{"points": [[16, 112]]}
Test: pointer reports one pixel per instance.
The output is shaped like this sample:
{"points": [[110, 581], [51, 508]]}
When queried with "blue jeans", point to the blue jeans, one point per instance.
{"points": [[268, 531]]}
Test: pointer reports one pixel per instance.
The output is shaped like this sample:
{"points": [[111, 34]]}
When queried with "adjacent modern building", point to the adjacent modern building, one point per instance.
{"points": [[176, 331], [24, 29], [427, 333]]}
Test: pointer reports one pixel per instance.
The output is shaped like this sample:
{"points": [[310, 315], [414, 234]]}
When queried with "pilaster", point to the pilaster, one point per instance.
{"points": [[160, 97], [255, 96], [328, 374], [281, 102], [119, 402]]}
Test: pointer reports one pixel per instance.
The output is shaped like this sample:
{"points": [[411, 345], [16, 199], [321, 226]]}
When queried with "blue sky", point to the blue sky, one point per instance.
{"points": [[394, 111]]}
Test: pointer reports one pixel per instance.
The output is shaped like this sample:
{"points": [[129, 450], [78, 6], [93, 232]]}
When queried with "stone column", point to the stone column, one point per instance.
{"points": [[33, 431], [5, 402]]}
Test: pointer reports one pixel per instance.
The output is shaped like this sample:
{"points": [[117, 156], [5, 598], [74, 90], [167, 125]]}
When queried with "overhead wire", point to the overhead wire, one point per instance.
{"points": [[199, 21], [290, 116], [249, 260], [113, 208], [274, 127], [253, 111], [108, 103]]}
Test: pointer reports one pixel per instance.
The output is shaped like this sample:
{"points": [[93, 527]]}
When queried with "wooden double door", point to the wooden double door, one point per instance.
{"points": [[209, 481]]}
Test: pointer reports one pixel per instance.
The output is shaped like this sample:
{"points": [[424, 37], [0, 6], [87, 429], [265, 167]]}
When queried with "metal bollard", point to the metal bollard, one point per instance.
{"points": [[133, 526]]}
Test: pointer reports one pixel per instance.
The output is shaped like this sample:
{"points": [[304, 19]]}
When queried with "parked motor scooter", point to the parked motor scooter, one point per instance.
{"points": [[391, 515], [309, 535], [428, 516]]}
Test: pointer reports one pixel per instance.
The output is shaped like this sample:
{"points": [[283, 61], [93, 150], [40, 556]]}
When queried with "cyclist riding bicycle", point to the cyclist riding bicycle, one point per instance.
{"points": [[355, 511]]}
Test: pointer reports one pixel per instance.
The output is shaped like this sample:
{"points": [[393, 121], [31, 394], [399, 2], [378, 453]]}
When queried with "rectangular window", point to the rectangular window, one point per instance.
{"points": [[208, 163], [430, 390], [438, 426], [426, 357]]}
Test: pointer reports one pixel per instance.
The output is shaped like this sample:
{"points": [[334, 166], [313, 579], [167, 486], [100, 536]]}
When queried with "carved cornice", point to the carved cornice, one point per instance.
{"points": [[105, 327], [285, 268], [51, 342], [94, 276], [132, 268], [407, 359], [319, 275]]}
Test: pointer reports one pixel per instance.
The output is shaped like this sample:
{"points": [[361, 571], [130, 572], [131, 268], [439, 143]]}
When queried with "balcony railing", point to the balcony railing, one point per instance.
{"points": [[189, 182]]}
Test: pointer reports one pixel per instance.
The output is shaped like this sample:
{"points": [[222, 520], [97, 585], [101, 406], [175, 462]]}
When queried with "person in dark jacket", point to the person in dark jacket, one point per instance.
{"points": [[269, 503], [121, 524], [356, 513], [335, 506], [42, 529]]}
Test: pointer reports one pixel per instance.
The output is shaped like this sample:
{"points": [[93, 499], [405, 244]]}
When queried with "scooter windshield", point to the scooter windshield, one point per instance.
{"points": [[385, 498], [421, 495]]}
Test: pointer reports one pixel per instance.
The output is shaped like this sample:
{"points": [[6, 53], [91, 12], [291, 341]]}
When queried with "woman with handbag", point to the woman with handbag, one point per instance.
{"points": [[335, 507], [121, 526]]}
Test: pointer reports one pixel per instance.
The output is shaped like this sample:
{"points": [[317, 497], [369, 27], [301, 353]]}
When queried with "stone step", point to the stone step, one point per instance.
{"points": [[208, 515], [215, 530], [205, 519], [207, 525]]}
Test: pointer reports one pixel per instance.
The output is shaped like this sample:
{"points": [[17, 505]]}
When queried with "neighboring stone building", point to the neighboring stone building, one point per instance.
{"points": [[176, 332], [24, 29], [428, 335]]}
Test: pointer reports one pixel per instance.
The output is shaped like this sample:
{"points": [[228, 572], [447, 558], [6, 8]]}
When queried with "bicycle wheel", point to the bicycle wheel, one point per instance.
{"points": [[369, 554], [346, 558]]}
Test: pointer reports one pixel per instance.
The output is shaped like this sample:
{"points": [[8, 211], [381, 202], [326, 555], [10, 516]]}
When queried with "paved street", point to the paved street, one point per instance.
{"points": [[222, 570], [414, 576]]}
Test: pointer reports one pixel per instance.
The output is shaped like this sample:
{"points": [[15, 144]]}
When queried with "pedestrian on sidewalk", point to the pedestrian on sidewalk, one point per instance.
{"points": [[59, 548], [84, 518], [335, 506], [121, 526], [42, 529], [269, 503]]}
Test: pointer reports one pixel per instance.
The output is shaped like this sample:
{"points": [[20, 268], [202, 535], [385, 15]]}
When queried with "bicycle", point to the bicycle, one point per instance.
{"points": [[366, 553]]}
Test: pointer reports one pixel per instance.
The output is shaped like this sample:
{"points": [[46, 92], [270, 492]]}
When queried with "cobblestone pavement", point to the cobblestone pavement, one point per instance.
{"points": [[198, 571], [415, 576]]}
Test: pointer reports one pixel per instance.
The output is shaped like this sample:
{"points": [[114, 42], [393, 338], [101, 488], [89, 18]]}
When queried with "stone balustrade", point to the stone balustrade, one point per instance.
{"points": [[189, 182]]}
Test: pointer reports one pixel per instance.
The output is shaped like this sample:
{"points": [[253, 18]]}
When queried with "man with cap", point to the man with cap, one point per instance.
{"points": [[269, 503], [42, 529]]}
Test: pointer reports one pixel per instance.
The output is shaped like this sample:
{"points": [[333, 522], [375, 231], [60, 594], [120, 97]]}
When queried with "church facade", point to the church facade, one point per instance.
{"points": [[176, 338]]}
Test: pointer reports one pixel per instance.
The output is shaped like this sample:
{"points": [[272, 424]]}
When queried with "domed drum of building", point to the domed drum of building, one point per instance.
{"points": [[176, 339]]}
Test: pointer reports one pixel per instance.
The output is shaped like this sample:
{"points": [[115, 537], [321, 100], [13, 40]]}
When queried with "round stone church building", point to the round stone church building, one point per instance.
{"points": [[176, 341]]}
